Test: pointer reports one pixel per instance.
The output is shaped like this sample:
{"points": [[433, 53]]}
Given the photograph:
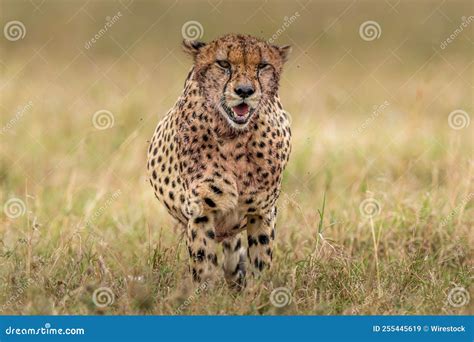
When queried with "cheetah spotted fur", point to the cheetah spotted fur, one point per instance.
{"points": [[216, 159]]}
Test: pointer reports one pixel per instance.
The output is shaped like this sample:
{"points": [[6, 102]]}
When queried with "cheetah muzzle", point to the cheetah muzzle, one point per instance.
{"points": [[216, 159]]}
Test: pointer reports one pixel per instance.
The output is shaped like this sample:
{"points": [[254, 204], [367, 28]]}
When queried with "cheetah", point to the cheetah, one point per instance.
{"points": [[216, 159]]}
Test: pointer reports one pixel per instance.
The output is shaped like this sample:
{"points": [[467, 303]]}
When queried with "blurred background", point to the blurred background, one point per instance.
{"points": [[381, 99], [135, 68]]}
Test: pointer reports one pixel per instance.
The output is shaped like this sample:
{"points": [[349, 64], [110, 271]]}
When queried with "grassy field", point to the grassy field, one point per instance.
{"points": [[376, 214]]}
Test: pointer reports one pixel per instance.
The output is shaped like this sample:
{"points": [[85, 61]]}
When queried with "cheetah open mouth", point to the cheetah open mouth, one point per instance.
{"points": [[241, 113], [241, 110]]}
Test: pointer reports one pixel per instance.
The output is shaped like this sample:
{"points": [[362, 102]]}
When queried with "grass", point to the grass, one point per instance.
{"points": [[376, 214], [110, 232]]}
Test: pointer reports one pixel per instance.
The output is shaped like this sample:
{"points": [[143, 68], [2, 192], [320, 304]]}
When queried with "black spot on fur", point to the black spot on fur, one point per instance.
{"points": [[200, 255], [252, 241], [238, 245], [209, 202], [213, 259], [263, 239], [202, 219], [216, 190]]}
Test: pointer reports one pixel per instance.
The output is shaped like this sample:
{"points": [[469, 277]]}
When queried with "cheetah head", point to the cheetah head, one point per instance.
{"points": [[237, 74]]}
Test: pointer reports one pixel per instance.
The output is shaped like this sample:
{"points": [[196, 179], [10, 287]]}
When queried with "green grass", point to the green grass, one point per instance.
{"points": [[111, 232]]}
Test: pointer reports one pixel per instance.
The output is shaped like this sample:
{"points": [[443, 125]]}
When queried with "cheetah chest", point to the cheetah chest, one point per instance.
{"points": [[256, 172]]}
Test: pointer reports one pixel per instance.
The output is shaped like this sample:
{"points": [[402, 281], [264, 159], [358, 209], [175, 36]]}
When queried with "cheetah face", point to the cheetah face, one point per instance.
{"points": [[237, 74]]}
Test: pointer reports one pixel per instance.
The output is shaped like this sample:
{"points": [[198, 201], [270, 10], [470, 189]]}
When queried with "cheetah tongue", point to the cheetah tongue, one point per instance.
{"points": [[241, 110]]}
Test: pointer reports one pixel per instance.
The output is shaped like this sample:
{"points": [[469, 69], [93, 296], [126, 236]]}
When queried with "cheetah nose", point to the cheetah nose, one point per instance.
{"points": [[244, 91]]}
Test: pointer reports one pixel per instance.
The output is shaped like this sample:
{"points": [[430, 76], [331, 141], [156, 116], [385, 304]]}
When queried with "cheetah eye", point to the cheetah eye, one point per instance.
{"points": [[223, 64], [263, 65]]}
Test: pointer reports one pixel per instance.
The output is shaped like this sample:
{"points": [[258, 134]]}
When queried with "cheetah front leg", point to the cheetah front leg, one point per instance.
{"points": [[202, 247], [234, 262], [260, 235], [207, 200]]}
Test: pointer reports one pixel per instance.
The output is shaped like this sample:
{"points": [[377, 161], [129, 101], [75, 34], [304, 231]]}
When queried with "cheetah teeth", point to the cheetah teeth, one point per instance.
{"points": [[241, 109]]}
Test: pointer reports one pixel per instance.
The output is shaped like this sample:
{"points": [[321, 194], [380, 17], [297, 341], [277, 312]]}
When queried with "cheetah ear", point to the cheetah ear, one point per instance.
{"points": [[284, 52], [192, 47]]}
